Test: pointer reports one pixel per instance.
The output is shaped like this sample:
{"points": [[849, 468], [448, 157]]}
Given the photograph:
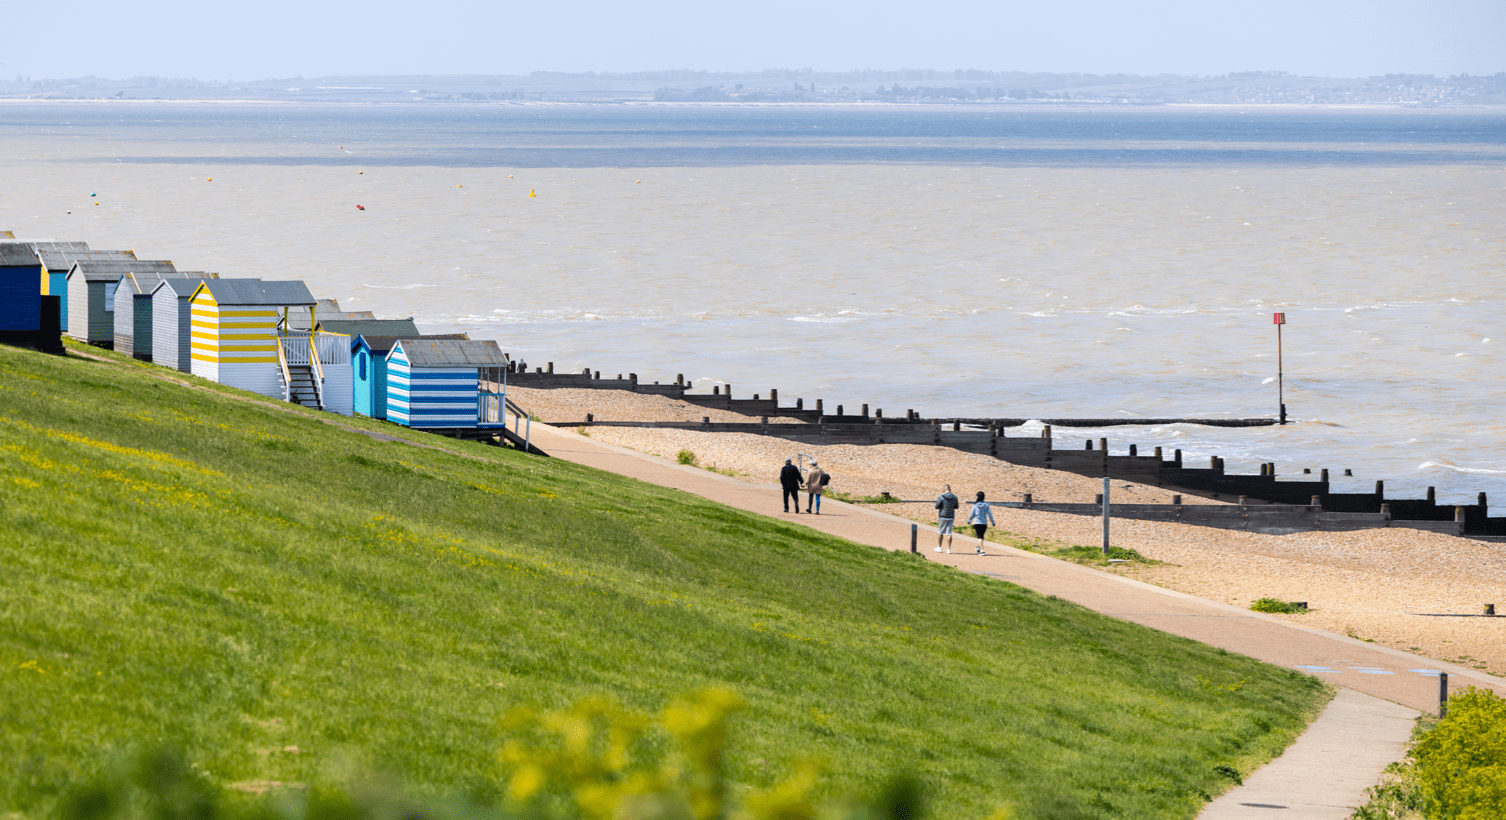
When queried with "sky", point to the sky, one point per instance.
{"points": [[239, 40]]}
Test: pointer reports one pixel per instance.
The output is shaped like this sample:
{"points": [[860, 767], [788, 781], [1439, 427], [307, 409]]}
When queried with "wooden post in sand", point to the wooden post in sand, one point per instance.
{"points": [[1442, 695], [914, 534], [1105, 515]]}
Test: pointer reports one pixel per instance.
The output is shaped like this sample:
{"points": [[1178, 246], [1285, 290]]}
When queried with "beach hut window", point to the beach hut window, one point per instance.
{"points": [[362, 362], [110, 295]]}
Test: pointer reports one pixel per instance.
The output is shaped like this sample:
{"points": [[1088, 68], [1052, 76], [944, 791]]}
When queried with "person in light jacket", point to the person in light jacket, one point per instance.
{"points": [[981, 517], [815, 482]]}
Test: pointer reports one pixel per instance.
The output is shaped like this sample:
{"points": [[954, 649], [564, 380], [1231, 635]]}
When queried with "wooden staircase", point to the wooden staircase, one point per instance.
{"points": [[301, 387]]}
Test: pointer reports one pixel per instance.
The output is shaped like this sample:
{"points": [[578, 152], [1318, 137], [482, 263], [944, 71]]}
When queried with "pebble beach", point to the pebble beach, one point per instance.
{"points": [[1407, 589]]}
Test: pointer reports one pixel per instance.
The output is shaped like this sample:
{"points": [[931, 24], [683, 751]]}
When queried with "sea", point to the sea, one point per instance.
{"points": [[992, 260]]}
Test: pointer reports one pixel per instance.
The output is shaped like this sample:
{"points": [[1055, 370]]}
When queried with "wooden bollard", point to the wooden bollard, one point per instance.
{"points": [[716, 390], [878, 413], [1490, 609], [1176, 500], [1323, 476], [1178, 458], [1385, 511], [1213, 462], [705, 419], [1243, 500], [1103, 444], [1348, 472], [633, 377], [956, 427], [799, 404], [1029, 499], [1482, 502], [679, 379], [1307, 471], [1380, 488], [590, 417], [1134, 450], [1442, 695], [755, 397], [1158, 454], [763, 419], [1046, 432], [1317, 501], [839, 409], [598, 374], [1459, 515], [818, 405], [774, 397], [551, 368], [1432, 496], [1088, 445], [727, 391], [1098, 499], [865, 411]]}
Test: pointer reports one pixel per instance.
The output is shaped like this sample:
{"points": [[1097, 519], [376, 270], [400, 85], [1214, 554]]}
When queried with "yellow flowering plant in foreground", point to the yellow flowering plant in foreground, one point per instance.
{"points": [[593, 761]]}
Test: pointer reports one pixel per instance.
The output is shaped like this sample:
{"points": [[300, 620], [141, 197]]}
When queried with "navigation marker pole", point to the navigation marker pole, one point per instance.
{"points": [[1105, 516], [1279, 319]]}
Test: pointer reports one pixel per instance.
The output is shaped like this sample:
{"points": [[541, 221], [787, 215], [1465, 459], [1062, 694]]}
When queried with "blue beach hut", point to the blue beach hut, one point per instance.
{"points": [[368, 357], [57, 260], [20, 288], [441, 383]]}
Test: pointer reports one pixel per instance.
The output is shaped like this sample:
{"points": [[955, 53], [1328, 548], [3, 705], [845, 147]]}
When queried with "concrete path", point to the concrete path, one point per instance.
{"points": [[1324, 775]]}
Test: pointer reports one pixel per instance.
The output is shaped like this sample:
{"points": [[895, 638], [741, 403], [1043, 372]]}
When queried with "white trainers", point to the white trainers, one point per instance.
{"points": [[938, 549], [948, 550], [981, 552]]}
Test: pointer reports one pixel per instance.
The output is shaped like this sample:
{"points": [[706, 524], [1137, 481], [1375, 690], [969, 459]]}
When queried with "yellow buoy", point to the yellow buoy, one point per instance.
{"points": [[459, 186], [531, 193], [211, 179], [509, 176]]}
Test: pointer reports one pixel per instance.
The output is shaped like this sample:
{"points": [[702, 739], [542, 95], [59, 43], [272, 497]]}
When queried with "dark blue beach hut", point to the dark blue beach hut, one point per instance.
{"points": [[440, 383], [368, 357], [20, 288]]}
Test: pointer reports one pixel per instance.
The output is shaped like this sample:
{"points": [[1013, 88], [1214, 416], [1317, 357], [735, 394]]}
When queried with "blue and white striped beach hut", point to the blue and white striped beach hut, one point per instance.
{"points": [[445, 383], [368, 364]]}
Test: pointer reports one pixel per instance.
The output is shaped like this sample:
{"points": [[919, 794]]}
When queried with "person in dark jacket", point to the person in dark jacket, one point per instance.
{"points": [[791, 480], [946, 515]]}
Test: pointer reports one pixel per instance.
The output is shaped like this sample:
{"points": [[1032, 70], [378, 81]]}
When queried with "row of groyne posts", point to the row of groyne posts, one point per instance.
{"points": [[1257, 503]]}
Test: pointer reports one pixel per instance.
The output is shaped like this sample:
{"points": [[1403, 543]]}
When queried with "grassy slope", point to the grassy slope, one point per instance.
{"points": [[178, 564]]}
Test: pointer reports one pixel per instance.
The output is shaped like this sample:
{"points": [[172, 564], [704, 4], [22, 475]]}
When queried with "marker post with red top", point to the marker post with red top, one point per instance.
{"points": [[1279, 319]]}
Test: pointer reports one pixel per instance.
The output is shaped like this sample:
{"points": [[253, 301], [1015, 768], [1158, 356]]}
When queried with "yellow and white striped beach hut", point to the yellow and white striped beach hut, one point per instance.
{"points": [[235, 327]]}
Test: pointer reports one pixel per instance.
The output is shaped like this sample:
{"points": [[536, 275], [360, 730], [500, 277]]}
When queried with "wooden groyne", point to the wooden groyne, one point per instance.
{"points": [[1309, 503]]}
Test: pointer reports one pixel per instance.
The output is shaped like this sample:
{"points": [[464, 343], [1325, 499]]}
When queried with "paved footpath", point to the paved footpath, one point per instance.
{"points": [[1317, 778]]}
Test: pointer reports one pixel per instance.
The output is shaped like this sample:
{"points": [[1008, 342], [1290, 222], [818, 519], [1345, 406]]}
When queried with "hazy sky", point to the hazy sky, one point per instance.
{"points": [[282, 38]]}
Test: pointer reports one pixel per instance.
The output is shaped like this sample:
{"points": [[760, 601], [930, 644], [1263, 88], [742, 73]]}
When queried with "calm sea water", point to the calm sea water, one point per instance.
{"points": [[989, 261]]}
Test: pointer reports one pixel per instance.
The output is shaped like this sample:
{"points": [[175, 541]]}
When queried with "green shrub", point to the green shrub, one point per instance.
{"points": [[1278, 606], [685, 457], [1461, 763]]}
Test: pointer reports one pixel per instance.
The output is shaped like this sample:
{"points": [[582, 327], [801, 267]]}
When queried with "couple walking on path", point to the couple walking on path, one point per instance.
{"points": [[946, 512], [814, 483]]}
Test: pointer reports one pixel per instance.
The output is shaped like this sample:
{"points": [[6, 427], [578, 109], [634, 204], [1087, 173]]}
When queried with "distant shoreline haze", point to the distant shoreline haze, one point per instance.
{"points": [[794, 86]]}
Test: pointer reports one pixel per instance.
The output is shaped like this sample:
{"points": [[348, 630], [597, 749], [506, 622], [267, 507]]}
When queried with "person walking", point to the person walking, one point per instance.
{"points": [[946, 513], [790, 480], [815, 482], [981, 516]]}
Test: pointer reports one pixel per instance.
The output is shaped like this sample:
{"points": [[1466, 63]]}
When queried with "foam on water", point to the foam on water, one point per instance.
{"points": [[1011, 262]]}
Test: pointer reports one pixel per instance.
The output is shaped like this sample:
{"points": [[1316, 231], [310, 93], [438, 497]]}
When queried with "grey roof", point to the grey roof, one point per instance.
{"points": [[453, 353], [184, 286], [401, 328], [145, 282], [383, 344], [17, 255], [60, 259], [112, 270], [256, 292]]}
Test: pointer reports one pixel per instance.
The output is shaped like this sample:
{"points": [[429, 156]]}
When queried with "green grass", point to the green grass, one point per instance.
{"points": [[1278, 606], [286, 600]]}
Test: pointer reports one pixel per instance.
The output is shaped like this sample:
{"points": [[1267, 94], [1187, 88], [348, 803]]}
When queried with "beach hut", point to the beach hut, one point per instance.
{"points": [[325, 309], [439, 383], [20, 291], [91, 296], [368, 365], [133, 310], [241, 337], [58, 258], [171, 323]]}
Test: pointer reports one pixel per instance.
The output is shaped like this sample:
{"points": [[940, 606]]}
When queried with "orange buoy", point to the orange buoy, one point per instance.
{"points": [[360, 207], [640, 182]]}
